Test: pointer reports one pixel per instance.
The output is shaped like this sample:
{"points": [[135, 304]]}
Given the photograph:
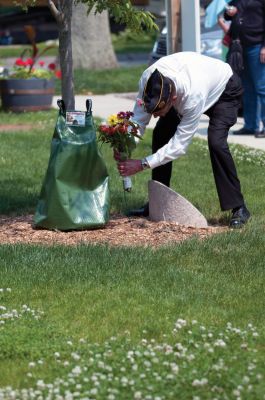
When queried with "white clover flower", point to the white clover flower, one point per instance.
{"points": [[56, 354], [137, 395], [174, 368], [75, 356], [219, 343], [200, 382], [194, 322], [244, 346], [246, 379], [255, 334], [236, 392], [77, 370], [40, 384], [32, 364], [69, 343], [251, 367]]}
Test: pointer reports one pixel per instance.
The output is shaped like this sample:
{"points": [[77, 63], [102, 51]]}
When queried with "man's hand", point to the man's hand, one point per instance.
{"points": [[231, 10], [262, 55], [129, 167]]}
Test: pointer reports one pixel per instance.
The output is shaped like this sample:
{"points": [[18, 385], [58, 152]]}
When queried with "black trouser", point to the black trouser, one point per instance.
{"points": [[223, 115]]}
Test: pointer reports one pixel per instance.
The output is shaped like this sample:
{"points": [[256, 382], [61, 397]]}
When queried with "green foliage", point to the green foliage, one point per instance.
{"points": [[123, 12]]}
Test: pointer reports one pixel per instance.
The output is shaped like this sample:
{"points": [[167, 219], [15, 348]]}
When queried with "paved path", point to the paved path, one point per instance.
{"points": [[105, 105]]}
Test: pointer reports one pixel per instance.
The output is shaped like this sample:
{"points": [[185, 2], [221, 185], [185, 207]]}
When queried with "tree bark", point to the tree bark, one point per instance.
{"points": [[91, 40], [63, 16]]}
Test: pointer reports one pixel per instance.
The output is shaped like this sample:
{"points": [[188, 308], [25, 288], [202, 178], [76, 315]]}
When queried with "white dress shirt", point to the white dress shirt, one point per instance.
{"points": [[199, 82]]}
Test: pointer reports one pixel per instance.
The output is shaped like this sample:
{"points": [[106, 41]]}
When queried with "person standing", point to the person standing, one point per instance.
{"points": [[248, 23], [178, 89]]}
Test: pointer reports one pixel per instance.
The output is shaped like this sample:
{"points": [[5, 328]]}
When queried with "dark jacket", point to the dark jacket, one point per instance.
{"points": [[249, 22]]}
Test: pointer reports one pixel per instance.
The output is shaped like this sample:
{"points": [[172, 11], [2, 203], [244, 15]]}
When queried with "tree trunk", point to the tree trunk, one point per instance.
{"points": [[91, 40], [63, 15]]}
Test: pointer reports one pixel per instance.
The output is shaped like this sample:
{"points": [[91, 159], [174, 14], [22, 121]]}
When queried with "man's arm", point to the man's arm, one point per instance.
{"points": [[176, 147]]}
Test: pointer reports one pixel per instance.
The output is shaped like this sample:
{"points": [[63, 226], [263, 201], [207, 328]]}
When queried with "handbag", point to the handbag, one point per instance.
{"points": [[235, 56], [235, 53], [75, 190]]}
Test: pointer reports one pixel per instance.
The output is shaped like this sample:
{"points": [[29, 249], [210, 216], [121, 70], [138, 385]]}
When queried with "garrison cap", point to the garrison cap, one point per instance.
{"points": [[156, 92]]}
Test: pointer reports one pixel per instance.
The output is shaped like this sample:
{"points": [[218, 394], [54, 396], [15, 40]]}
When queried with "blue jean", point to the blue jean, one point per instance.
{"points": [[253, 80]]}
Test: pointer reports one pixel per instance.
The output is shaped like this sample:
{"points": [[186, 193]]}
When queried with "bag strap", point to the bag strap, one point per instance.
{"points": [[89, 105]]}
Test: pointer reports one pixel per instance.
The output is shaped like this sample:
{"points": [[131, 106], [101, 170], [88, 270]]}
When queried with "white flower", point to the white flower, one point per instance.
{"points": [[77, 370], [219, 343], [32, 364], [198, 382], [40, 384], [75, 356], [137, 395]]}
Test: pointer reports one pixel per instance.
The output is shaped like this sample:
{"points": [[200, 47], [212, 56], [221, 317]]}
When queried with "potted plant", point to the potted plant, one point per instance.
{"points": [[29, 84]]}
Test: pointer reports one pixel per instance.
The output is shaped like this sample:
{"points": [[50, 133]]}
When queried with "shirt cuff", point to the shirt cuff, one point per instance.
{"points": [[153, 161]]}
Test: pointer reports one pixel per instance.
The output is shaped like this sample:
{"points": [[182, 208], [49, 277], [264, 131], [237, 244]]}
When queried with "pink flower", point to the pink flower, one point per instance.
{"points": [[41, 63]]}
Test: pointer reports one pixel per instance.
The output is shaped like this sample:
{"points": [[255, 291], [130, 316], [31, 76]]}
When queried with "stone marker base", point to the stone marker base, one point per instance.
{"points": [[167, 205]]}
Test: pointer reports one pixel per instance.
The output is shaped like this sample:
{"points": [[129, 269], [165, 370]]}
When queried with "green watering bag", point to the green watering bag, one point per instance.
{"points": [[75, 191]]}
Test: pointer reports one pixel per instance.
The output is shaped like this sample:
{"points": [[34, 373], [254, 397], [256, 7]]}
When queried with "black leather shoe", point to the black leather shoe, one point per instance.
{"points": [[244, 131], [239, 217], [260, 135], [139, 212]]}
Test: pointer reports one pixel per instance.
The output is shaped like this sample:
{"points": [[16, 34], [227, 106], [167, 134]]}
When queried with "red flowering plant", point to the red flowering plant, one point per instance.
{"points": [[121, 133], [29, 65]]}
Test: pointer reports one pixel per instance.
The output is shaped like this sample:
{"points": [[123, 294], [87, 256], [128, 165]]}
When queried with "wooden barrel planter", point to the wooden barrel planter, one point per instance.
{"points": [[21, 95]]}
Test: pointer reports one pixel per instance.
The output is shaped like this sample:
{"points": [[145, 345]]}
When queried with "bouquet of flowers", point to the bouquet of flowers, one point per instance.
{"points": [[120, 132]]}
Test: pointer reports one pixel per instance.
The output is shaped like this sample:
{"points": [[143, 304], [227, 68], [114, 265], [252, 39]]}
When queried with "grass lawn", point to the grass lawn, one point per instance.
{"points": [[93, 322]]}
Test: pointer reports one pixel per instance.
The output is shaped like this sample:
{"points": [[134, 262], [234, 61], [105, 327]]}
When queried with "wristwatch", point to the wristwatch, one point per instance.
{"points": [[145, 164]]}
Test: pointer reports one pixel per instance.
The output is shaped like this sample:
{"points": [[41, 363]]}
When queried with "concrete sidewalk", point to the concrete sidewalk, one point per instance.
{"points": [[105, 105]]}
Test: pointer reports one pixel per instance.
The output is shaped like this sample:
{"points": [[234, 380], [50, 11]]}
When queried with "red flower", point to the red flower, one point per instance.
{"points": [[58, 74], [29, 61], [19, 62], [52, 66], [41, 63]]}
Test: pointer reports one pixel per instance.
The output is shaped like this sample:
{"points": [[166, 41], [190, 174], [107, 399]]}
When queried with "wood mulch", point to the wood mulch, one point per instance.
{"points": [[120, 231]]}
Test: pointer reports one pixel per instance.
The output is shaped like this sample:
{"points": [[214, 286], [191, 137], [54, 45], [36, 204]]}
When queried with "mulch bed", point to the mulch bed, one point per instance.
{"points": [[120, 231]]}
